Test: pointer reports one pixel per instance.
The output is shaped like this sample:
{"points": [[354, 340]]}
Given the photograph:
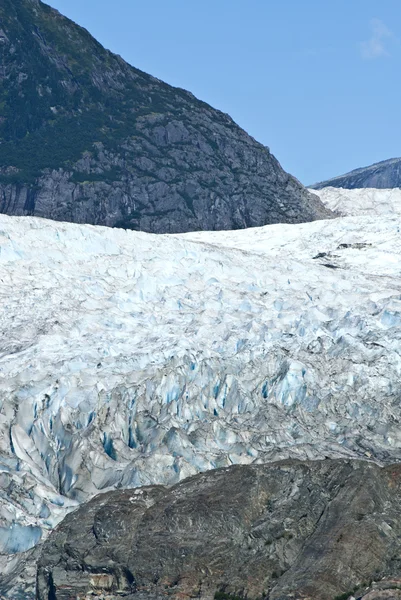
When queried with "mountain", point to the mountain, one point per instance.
{"points": [[129, 359], [323, 530], [87, 138], [381, 175]]}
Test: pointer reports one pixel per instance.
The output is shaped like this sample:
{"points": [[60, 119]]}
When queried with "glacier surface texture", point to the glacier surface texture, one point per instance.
{"points": [[128, 358]]}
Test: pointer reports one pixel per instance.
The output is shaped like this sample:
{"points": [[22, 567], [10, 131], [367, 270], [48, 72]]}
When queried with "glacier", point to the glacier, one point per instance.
{"points": [[366, 201], [128, 359]]}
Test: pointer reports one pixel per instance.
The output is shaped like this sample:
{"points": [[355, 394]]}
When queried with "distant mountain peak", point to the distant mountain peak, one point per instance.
{"points": [[381, 175]]}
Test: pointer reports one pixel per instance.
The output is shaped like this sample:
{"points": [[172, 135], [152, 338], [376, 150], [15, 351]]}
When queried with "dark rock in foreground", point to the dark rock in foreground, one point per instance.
{"points": [[382, 175], [316, 530]]}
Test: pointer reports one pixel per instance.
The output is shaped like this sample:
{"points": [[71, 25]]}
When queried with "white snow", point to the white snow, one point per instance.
{"points": [[367, 201], [128, 358]]}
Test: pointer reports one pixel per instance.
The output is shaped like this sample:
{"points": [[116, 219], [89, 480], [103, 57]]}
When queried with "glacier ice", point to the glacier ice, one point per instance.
{"points": [[363, 201], [128, 358], [17, 538]]}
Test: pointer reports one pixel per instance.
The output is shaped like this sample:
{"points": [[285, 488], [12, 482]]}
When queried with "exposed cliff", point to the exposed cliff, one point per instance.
{"points": [[319, 530], [87, 138]]}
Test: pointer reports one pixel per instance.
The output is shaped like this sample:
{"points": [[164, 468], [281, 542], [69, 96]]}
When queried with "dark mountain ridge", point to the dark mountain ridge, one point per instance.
{"points": [[85, 137], [382, 175]]}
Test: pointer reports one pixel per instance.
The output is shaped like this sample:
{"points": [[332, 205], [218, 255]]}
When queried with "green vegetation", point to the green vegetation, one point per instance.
{"points": [[49, 147], [63, 92], [107, 176]]}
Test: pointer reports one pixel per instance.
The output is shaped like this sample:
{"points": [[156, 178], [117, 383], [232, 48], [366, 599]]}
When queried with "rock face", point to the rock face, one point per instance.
{"points": [[128, 359], [87, 138], [289, 530], [382, 175]]}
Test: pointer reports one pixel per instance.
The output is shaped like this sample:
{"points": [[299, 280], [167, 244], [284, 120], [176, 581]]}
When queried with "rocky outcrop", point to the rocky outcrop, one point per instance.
{"points": [[87, 138], [172, 190], [289, 530], [383, 175]]}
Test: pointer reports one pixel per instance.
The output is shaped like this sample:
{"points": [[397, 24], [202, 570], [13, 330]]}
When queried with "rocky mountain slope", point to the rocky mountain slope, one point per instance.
{"points": [[87, 138], [128, 359], [320, 530], [383, 175]]}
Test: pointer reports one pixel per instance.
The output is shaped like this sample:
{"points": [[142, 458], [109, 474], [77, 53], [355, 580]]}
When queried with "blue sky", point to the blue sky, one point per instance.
{"points": [[316, 81]]}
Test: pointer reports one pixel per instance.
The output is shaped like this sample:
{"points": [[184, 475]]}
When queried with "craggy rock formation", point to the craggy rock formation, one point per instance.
{"points": [[385, 174], [87, 138], [296, 530]]}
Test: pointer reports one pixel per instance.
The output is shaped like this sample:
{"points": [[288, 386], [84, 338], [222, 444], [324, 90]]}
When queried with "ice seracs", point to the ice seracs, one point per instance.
{"points": [[128, 358]]}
